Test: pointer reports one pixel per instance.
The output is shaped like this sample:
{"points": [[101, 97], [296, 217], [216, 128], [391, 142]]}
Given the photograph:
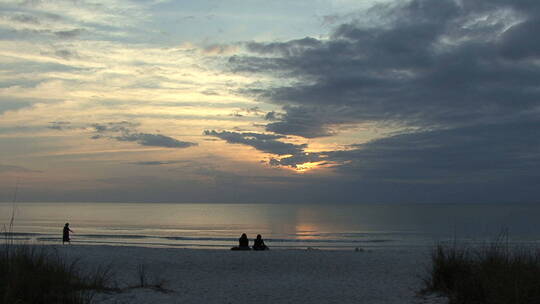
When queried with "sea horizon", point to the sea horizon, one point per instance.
{"points": [[284, 226]]}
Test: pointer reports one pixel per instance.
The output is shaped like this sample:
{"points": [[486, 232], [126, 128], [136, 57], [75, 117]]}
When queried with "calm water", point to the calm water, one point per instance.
{"points": [[282, 226]]}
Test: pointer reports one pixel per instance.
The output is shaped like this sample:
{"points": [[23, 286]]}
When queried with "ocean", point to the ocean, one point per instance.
{"points": [[318, 226]]}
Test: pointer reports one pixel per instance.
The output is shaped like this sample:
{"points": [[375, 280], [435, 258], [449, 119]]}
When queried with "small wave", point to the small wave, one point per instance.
{"points": [[204, 245], [9, 234], [115, 236], [225, 240], [329, 241], [187, 238], [15, 239], [48, 238], [233, 240]]}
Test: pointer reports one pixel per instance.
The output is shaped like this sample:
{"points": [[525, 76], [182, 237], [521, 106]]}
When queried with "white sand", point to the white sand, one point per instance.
{"points": [[276, 276]]}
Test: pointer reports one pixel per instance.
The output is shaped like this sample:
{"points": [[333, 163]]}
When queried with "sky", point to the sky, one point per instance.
{"points": [[306, 101]]}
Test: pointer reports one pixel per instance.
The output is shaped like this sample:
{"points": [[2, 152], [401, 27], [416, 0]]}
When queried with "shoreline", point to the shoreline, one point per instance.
{"points": [[221, 247]]}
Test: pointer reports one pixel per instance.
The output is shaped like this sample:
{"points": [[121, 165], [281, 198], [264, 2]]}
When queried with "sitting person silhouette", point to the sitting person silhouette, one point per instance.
{"points": [[65, 234], [258, 244], [243, 243]]}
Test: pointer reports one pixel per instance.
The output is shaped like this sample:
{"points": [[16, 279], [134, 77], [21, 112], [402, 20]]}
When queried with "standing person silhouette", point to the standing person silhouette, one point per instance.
{"points": [[65, 235]]}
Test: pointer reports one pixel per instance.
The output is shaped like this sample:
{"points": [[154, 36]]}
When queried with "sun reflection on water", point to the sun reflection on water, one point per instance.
{"points": [[305, 232]]}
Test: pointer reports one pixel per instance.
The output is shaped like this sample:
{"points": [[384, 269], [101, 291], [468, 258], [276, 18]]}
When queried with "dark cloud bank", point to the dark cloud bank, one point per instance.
{"points": [[464, 75], [264, 142]]}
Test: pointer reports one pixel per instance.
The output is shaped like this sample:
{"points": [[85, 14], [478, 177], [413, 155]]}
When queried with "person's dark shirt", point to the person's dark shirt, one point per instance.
{"points": [[244, 241], [65, 236], [258, 243]]}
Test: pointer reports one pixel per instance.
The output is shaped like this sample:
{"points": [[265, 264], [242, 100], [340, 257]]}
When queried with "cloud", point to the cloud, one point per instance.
{"points": [[60, 125], [69, 34], [425, 63], [469, 154], [272, 115], [485, 163], [13, 105], [156, 140], [516, 42], [297, 159], [157, 163], [291, 155], [121, 126], [220, 49], [11, 168], [24, 18], [463, 75], [263, 142], [129, 133], [66, 54], [290, 48], [505, 151], [125, 131], [301, 121]]}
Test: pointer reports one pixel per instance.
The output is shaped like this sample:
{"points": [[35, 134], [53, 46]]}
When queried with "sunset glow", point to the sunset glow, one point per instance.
{"points": [[307, 166]]}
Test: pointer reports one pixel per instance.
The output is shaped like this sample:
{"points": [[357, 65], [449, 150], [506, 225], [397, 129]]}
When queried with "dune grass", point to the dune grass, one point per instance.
{"points": [[32, 274], [495, 273]]}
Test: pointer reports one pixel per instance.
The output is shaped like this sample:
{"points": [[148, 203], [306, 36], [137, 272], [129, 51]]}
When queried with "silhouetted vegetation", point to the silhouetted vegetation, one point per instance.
{"points": [[31, 274], [157, 283], [495, 273]]}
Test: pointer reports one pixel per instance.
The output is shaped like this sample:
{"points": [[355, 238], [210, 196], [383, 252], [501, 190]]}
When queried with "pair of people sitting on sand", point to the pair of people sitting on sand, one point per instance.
{"points": [[243, 241]]}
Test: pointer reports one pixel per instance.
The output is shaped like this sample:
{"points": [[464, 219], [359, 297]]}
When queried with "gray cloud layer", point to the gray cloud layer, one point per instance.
{"points": [[465, 75], [429, 64], [156, 140], [477, 153], [263, 142], [7, 105]]}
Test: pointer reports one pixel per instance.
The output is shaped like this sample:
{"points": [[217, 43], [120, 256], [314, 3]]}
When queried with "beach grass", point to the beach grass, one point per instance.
{"points": [[33, 274], [495, 273]]}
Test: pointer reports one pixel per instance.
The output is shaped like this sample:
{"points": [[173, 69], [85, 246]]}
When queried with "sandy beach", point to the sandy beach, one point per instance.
{"points": [[275, 276]]}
